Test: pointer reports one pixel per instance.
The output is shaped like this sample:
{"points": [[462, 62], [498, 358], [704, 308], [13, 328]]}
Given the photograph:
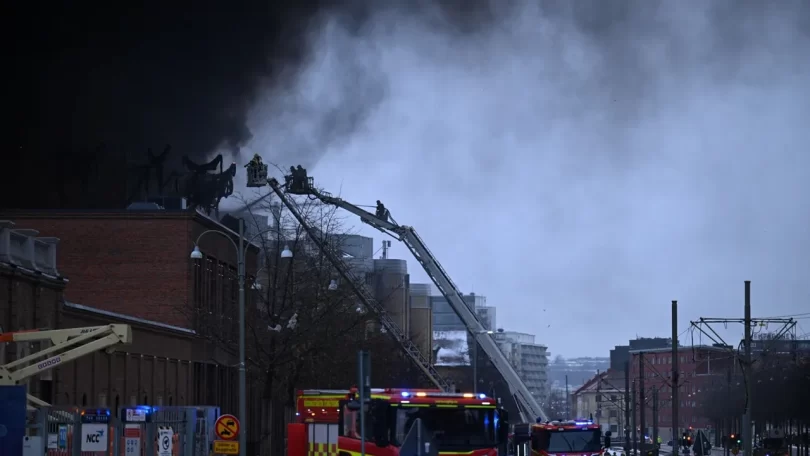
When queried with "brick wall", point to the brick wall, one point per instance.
{"points": [[134, 263], [136, 266]]}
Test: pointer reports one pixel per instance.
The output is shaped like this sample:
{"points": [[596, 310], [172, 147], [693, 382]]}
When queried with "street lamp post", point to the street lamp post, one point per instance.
{"points": [[241, 253]]}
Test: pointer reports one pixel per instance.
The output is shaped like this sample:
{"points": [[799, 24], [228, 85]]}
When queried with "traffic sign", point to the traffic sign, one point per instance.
{"points": [[735, 450], [227, 427], [226, 447]]}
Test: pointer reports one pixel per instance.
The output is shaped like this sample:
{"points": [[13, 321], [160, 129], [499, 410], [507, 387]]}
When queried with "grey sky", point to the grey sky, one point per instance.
{"points": [[579, 167]]}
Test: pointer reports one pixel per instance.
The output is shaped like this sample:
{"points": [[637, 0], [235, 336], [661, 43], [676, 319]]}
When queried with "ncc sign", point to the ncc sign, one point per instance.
{"points": [[94, 437]]}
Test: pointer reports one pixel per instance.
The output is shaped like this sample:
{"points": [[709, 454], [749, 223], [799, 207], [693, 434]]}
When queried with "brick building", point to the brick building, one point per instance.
{"points": [[154, 369], [134, 267], [700, 367], [137, 263]]}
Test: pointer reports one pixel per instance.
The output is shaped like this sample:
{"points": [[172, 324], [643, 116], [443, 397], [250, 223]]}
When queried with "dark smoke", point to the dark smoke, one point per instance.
{"points": [[139, 75], [146, 75]]}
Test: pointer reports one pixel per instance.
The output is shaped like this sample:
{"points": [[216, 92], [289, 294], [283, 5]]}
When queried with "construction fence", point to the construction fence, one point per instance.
{"points": [[132, 431]]}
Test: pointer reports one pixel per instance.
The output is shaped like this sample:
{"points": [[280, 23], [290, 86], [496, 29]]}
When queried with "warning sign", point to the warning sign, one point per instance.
{"points": [[165, 441], [227, 427], [226, 447], [735, 450]]}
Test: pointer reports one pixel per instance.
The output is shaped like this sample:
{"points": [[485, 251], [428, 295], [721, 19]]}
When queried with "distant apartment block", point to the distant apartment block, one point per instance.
{"points": [[529, 359]]}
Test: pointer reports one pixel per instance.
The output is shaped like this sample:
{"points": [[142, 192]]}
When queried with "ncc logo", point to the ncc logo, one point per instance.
{"points": [[95, 437]]}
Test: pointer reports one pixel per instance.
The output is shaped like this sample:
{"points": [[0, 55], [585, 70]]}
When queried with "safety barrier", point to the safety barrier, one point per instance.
{"points": [[133, 431]]}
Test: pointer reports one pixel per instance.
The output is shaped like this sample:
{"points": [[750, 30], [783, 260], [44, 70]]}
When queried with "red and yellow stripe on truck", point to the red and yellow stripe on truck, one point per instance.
{"points": [[316, 430]]}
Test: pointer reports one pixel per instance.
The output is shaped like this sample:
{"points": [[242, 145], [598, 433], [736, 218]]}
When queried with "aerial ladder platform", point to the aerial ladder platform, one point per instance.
{"points": [[65, 345], [362, 292], [530, 410]]}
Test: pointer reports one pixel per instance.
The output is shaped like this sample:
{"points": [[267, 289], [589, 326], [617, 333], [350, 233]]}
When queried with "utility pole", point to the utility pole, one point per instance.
{"points": [[676, 382], [633, 417], [626, 407], [642, 410], [567, 400], [746, 361], [600, 401], [728, 410], [364, 375], [655, 418], [746, 420]]}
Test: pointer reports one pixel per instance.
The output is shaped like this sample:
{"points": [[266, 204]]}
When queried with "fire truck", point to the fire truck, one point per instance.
{"points": [[558, 438], [327, 423]]}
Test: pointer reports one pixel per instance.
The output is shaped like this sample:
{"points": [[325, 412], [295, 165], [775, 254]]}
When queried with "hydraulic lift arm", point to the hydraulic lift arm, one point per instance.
{"points": [[360, 290], [66, 345], [530, 409]]}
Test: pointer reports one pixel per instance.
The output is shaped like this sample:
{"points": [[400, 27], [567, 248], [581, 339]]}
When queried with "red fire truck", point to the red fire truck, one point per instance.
{"points": [[462, 424], [558, 438]]}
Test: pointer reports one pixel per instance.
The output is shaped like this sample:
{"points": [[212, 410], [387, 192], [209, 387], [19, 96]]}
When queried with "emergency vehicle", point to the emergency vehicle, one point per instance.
{"points": [[461, 423], [558, 438], [773, 443]]}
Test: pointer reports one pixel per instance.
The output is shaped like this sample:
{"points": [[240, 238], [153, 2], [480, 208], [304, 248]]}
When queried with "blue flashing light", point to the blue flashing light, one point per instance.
{"points": [[583, 423], [406, 394], [482, 396]]}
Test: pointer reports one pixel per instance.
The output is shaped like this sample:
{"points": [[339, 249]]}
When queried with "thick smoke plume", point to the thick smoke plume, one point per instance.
{"points": [[139, 77], [581, 163]]}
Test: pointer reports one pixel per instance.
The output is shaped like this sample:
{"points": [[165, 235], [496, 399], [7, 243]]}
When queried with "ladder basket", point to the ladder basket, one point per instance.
{"points": [[256, 175]]}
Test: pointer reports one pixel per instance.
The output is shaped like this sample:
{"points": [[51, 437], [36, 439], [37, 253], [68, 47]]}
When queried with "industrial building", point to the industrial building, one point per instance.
{"points": [[445, 318]]}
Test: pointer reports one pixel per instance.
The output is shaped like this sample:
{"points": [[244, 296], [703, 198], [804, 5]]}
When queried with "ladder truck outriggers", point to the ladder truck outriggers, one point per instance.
{"points": [[65, 345], [298, 183]]}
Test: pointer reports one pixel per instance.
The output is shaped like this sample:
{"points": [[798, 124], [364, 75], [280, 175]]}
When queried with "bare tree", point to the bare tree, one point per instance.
{"points": [[781, 392], [307, 325], [556, 406]]}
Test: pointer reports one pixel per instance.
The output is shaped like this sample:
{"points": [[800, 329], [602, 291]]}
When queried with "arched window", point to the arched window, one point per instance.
{"points": [[117, 404], [171, 400], [145, 399], [84, 400]]}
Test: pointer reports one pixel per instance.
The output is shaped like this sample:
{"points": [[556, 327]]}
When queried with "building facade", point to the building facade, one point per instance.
{"points": [[700, 368], [137, 263], [446, 319], [129, 267], [529, 359], [620, 354], [601, 399], [156, 369]]}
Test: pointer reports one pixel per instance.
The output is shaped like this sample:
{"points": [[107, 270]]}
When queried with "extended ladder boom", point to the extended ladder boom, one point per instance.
{"points": [[359, 288], [66, 345], [528, 405]]}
